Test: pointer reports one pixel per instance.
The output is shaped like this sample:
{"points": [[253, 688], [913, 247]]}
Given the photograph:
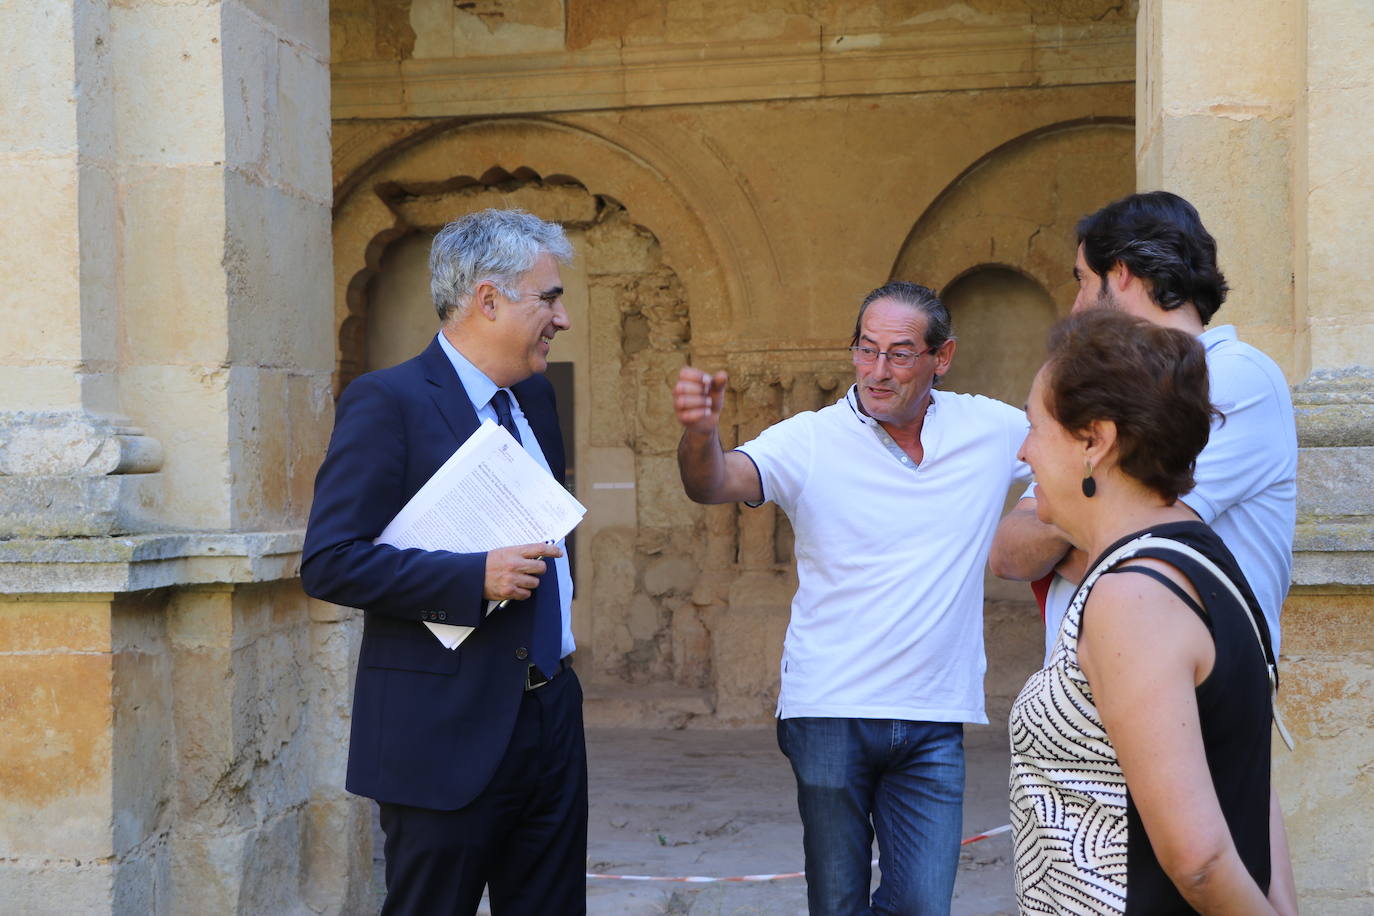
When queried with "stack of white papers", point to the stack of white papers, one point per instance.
{"points": [[490, 493]]}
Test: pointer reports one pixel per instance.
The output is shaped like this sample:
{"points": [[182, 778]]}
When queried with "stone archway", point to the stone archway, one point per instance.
{"points": [[1016, 206], [379, 207], [637, 557]]}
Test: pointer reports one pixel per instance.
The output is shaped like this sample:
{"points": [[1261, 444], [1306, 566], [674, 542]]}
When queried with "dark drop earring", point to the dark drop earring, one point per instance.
{"points": [[1089, 485]]}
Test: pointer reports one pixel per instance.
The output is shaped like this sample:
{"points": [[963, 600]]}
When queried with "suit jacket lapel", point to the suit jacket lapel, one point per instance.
{"points": [[454, 405], [447, 392]]}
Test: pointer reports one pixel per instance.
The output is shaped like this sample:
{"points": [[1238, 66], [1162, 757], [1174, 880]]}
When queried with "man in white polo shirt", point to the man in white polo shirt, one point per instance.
{"points": [[1149, 255], [894, 492]]}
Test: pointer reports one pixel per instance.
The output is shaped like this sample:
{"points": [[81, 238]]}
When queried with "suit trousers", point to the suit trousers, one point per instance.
{"points": [[524, 837]]}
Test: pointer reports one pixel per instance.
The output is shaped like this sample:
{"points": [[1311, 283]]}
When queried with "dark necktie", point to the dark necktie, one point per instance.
{"points": [[546, 643]]}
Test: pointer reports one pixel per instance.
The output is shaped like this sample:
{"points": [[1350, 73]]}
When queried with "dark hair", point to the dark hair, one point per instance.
{"points": [[1161, 239], [1150, 381], [922, 298]]}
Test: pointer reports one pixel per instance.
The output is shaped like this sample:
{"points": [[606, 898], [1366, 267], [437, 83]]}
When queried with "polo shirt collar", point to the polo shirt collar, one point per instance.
{"points": [[1215, 337], [851, 397]]}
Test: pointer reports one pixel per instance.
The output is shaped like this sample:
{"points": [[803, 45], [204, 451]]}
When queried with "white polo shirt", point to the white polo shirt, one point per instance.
{"points": [[1247, 476], [887, 621]]}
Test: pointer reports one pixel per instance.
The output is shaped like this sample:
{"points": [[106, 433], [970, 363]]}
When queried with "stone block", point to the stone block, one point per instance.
{"points": [[643, 618], [278, 265], [662, 504], [55, 787], [175, 210], [618, 246], [71, 443], [211, 776], [32, 387], [1338, 191], [37, 94], [207, 867], [259, 445], [167, 66], [143, 880], [310, 418], [1338, 44], [201, 618], [185, 407], [613, 560], [333, 655], [608, 425], [675, 574], [1208, 52], [50, 506], [46, 253], [336, 855], [746, 643], [691, 644], [658, 431], [270, 871], [54, 626], [324, 612], [98, 222], [57, 888], [251, 77], [1335, 408], [144, 742], [1325, 784], [305, 24], [1336, 481], [298, 123], [519, 26]]}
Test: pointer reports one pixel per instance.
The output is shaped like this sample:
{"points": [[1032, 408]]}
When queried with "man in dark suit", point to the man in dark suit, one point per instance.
{"points": [[475, 755]]}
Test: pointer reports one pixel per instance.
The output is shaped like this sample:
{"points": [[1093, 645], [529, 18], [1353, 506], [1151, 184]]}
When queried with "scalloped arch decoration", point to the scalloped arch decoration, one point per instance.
{"points": [[496, 151]]}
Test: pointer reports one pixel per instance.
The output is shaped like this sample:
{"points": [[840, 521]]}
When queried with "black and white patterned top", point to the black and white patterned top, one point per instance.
{"points": [[1079, 844]]}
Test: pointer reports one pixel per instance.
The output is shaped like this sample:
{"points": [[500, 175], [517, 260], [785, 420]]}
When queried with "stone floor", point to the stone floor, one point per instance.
{"points": [[722, 803]]}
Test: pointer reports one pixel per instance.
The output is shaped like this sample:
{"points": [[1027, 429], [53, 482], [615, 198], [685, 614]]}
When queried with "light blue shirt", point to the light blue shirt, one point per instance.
{"points": [[1246, 478], [480, 390]]}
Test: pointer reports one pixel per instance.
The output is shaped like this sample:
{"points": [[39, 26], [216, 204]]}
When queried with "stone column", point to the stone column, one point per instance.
{"points": [[1329, 781], [66, 449], [1217, 129], [1258, 113], [174, 736]]}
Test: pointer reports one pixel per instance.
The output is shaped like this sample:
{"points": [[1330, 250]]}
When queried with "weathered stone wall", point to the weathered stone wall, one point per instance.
{"points": [[173, 705]]}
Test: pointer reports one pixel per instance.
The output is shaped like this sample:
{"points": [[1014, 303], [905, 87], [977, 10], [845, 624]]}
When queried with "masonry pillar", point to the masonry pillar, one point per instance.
{"points": [[173, 740], [1257, 112]]}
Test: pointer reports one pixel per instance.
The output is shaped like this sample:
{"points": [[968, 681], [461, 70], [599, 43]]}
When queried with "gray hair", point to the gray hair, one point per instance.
{"points": [[497, 246]]}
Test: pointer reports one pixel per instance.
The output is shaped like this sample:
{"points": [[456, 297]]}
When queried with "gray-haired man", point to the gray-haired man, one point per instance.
{"points": [[476, 755]]}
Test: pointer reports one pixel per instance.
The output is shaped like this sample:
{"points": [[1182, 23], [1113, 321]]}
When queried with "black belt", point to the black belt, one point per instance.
{"points": [[534, 678]]}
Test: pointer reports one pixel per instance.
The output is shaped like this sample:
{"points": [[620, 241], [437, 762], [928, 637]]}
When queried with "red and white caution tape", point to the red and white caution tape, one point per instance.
{"points": [[702, 879]]}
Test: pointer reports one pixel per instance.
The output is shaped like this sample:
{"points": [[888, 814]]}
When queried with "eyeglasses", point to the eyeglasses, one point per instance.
{"points": [[898, 359]]}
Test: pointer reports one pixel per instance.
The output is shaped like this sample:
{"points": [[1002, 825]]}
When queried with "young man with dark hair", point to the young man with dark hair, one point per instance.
{"points": [[1149, 255]]}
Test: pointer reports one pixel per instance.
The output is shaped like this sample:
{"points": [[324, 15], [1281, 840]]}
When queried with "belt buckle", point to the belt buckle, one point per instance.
{"points": [[531, 672]]}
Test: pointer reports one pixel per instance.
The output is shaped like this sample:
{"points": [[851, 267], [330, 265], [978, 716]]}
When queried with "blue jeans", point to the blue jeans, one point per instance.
{"points": [[903, 779]]}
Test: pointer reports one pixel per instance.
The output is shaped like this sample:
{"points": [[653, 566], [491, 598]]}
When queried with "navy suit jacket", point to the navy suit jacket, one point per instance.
{"points": [[429, 724]]}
